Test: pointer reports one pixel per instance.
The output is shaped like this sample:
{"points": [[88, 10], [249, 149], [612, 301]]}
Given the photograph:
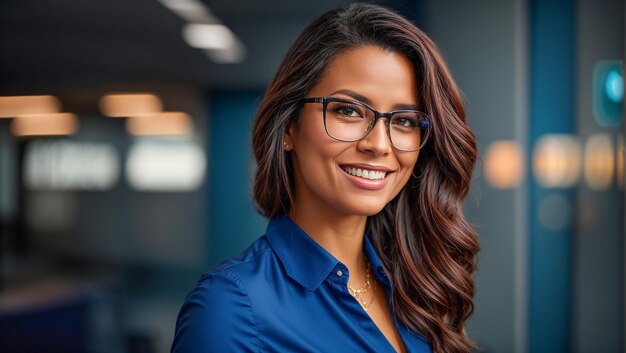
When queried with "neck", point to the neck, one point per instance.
{"points": [[341, 235]]}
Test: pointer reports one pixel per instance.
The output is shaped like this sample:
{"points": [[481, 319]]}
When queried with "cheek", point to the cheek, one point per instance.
{"points": [[407, 161], [314, 142], [311, 150], [315, 150]]}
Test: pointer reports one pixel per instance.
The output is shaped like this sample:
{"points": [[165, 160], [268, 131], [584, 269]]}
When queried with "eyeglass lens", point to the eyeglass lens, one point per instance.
{"points": [[349, 121]]}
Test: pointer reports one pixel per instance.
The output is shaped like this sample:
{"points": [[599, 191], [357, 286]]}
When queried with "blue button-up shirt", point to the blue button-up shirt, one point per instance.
{"points": [[285, 293]]}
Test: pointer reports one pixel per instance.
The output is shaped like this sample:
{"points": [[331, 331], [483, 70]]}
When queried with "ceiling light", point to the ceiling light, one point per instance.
{"points": [[232, 55], [45, 124], [209, 36], [130, 104], [189, 10], [12, 106], [165, 123]]}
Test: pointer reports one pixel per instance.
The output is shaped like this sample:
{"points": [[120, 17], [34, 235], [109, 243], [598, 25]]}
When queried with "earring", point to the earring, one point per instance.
{"points": [[285, 146]]}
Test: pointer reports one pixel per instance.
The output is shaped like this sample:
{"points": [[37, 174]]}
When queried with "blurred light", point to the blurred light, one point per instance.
{"points": [[232, 55], [209, 36], [13, 106], [204, 31], [504, 164], [554, 212], [607, 93], [130, 104], [557, 161], [621, 155], [45, 124], [599, 162], [166, 123], [160, 166], [68, 165], [189, 10], [614, 86]]}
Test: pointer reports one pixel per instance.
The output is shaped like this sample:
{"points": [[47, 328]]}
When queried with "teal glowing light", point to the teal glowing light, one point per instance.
{"points": [[614, 86], [608, 93]]}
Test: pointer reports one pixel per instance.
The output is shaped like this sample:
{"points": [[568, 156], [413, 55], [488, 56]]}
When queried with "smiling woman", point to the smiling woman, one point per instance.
{"points": [[387, 81], [364, 159]]}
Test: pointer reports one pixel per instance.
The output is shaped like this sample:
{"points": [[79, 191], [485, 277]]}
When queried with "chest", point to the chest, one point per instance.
{"points": [[329, 320], [380, 313]]}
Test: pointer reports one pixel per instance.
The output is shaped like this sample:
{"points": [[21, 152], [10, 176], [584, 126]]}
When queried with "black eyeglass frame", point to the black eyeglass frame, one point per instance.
{"points": [[425, 124]]}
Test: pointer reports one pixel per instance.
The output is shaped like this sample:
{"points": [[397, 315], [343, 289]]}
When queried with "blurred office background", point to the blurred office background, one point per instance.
{"points": [[125, 164]]}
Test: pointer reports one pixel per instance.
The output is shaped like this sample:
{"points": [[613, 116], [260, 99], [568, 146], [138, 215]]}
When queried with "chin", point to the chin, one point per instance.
{"points": [[365, 209]]}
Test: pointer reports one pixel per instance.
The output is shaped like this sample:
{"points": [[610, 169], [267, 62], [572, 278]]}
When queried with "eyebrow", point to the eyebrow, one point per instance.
{"points": [[362, 98]]}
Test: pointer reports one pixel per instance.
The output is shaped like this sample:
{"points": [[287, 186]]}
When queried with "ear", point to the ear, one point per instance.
{"points": [[290, 137]]}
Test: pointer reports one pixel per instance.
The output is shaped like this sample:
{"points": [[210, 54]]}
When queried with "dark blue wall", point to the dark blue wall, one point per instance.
{"points": [[232, 220], [552, 65]]}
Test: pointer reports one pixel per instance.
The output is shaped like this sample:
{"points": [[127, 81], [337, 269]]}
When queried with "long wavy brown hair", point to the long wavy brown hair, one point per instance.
{"points": [[422, 237]]}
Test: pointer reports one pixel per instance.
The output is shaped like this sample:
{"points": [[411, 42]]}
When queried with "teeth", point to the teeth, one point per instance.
{"points": [[365, 173]]}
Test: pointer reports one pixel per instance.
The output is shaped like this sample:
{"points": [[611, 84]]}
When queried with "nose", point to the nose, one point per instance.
{"points": [[377, 142]]}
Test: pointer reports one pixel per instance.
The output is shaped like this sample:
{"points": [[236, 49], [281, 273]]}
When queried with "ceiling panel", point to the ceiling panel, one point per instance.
{"points": [[48, 44]]}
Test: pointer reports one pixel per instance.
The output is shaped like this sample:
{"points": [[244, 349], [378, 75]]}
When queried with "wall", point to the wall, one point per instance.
{"points": [[598, 248], [232, 220]]}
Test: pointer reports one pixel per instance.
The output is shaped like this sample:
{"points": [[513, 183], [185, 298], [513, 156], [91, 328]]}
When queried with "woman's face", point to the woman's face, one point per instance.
{"points": [[384, 80]]}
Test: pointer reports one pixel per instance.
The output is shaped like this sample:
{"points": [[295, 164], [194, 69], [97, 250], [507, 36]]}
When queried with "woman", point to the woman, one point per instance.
{"points": [[364, 158]]}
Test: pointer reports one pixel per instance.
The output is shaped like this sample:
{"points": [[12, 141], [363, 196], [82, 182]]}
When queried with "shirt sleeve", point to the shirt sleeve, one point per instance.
{"points": [[216, 317]]}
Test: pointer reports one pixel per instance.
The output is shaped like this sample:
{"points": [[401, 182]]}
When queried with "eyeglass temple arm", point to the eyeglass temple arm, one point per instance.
{"points": [[312, 100]]}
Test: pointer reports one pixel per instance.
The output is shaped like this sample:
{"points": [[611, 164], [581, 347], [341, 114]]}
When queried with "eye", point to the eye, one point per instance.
{"points": [[348, 110], [406, 121]]}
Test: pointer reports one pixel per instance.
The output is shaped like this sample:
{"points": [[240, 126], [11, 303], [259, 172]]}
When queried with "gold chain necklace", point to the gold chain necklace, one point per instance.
{"points": [[358, 293]]}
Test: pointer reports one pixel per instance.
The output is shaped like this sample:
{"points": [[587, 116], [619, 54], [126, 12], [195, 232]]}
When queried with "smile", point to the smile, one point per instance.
{"points": [[365, 173]]}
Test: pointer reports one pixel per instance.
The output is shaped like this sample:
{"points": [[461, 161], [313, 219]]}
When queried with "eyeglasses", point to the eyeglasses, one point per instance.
{"points": [[349, 121]]}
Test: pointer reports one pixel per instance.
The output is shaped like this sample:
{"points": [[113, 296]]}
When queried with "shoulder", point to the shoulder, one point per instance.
{"points": [[255, 253], [217, 314]]}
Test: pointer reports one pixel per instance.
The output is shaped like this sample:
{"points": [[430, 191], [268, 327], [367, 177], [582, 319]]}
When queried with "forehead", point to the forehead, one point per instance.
{"points": [[385, 77]]}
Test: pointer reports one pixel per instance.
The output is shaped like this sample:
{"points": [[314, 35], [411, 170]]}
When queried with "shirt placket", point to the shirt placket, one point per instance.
{"points": [[339, 276]]}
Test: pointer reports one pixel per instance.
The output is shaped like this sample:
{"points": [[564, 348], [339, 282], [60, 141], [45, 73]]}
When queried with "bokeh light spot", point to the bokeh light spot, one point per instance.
{"points": [[555, 212], [599, 162], [614, 86], [557, 161], [504, 164]]}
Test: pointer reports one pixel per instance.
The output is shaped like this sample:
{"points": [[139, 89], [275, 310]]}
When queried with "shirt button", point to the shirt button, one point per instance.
{"points": [[339, 273]]}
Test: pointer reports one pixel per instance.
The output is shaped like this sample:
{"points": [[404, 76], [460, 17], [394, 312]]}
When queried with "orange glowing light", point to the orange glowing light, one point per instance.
{"points": [[599, 162], [45, 124], [122, 105], [166, 123], [13, 106], [557, 161], [504, 164]]}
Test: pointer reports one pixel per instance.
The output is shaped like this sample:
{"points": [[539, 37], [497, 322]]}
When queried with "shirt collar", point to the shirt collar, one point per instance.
{"points": [[304, 259]]}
